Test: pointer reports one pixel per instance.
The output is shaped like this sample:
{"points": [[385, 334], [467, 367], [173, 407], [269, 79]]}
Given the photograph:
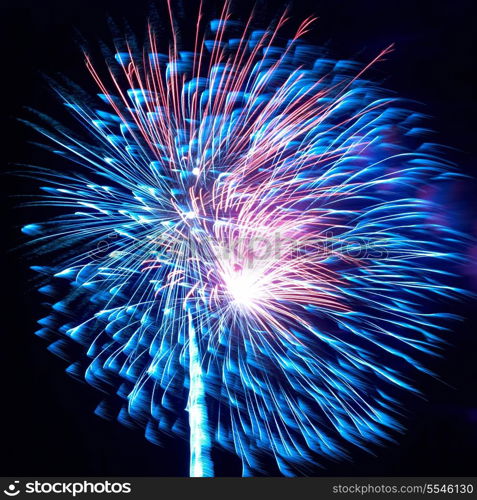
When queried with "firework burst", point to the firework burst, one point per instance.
{"points": [[244, 251]]}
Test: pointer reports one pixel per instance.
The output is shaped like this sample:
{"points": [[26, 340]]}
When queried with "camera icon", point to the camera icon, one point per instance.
{"points": [[12, 489]]}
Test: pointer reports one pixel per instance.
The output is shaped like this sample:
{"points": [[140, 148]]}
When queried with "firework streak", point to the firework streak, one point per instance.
{"points": [[244, 251]]}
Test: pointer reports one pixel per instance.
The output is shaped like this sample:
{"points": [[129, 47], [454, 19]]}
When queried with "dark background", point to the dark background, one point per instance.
{"points": [[48, 425]]}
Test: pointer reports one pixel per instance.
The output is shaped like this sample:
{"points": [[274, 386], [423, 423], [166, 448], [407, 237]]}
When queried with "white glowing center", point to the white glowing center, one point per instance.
{"points": [[243, 288]]}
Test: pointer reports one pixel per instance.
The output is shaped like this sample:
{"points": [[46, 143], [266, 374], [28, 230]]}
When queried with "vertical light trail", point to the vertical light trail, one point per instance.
{"points": [[200, 461]]}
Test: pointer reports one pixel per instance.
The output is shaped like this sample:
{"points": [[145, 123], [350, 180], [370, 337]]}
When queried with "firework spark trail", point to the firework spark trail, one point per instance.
{"points": [[245, 239]]}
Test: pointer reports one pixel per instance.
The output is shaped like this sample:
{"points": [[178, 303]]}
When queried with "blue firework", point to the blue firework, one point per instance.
{"points": [[244, 249]]}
